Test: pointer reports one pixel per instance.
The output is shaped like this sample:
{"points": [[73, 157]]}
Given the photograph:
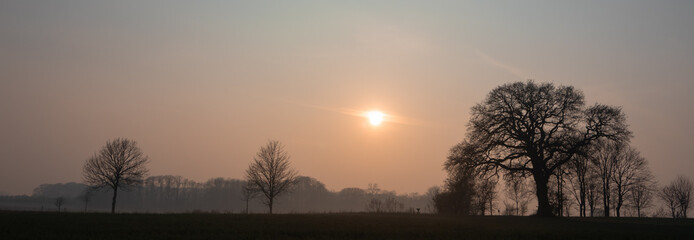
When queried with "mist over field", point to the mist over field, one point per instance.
{"points": [[346, 120], [174, 194]]}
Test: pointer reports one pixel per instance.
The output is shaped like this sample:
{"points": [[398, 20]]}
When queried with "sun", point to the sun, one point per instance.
{"points": [[375, 117]]}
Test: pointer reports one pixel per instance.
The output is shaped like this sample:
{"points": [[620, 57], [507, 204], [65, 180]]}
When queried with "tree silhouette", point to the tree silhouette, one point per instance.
{"points": [[86, 196], [604, 156], [59, 202], [460, 195], [248, 192], [641, 195], [517, 190], [119, 164], [630, 169], [270, 172], [486, 194], [537, 128], [678, 195], [580, 167]]}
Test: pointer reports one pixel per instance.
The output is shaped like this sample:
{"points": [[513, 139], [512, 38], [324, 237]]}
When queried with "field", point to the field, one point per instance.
{"points": [[46, 225]]}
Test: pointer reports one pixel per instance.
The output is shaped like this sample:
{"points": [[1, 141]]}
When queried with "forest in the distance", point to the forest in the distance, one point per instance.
{"points": [[175, 194]]}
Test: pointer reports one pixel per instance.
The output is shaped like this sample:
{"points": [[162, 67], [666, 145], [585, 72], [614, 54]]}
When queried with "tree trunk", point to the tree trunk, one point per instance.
{"points": [[619, 201], [543, 207], [560, 195], [270, 205], [606, 197], [582, 196], [113, 202]]}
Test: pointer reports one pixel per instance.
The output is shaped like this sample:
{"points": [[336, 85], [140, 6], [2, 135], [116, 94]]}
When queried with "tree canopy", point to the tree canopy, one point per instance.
{"points": [[536, 128]]}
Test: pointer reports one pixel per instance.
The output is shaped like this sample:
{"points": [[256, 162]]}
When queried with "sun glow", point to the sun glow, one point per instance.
{"points": [[375, 117]]}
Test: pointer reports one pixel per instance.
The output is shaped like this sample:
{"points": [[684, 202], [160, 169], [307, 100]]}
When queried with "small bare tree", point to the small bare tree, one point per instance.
{"points": [[59, 202], [431, 197], [678, 195], [668, 195], [642, 196], [270, 172], [86, 196], [391, 203], [118, 165], [486, 194], [579, 178], [592, 194], [629, 169], [604, 157], [374, 205], [517, 190], [248, 192], [683, 190]]}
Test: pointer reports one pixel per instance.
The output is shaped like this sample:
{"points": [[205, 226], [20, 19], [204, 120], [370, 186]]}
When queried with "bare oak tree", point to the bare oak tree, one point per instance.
{"points": [[119, 165], [270, 172], [537, 128]]}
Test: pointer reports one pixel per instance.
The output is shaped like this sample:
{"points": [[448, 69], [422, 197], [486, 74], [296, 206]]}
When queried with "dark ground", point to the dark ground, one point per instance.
{"points": [[51, 225]]}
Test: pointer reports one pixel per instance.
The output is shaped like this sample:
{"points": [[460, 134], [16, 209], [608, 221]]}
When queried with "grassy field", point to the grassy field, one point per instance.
{"points": [[43, 225]]}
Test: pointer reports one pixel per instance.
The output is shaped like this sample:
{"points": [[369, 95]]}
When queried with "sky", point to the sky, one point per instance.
{"points": [[202, 85]]}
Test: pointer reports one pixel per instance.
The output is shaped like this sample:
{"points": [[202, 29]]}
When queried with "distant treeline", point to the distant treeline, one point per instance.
{"points": [[171, 194]]}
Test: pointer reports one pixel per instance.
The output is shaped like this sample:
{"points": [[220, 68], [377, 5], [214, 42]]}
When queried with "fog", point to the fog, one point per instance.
{"points": [[202, 85]]}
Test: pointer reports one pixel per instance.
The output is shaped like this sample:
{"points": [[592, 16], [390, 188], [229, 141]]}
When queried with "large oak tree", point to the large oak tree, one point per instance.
{"points": [[537, 128]]}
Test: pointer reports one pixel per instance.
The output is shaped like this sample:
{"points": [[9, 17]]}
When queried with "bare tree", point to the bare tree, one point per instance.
{"points": [[458, 195], [592, 195], [248, 192], [59, 202], [517, 190], [579, 166], [119, 165], [375, 204], [677, 195], [560, 201], [469, 189], [629, 169], [431, 195], [683, 191], [86, 196], [270, 172], [604, 156], [486, 194], [641, 195], [391, 204], [537, 128], [669, 196]]}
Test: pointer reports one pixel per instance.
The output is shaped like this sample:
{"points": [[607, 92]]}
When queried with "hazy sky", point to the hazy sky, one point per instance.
{"points": [[201, 85]]}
